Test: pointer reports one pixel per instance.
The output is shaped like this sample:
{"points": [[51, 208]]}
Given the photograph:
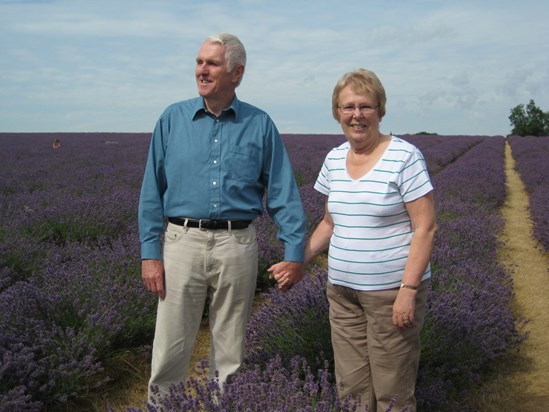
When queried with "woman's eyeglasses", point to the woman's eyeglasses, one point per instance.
{"points": [[363, 109]]}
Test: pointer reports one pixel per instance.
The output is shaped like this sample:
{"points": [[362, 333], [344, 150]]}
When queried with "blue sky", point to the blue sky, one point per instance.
{"points": [[450, 67]]}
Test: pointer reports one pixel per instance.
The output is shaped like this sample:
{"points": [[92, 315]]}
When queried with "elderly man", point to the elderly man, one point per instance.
{"points": [[211, 160]]}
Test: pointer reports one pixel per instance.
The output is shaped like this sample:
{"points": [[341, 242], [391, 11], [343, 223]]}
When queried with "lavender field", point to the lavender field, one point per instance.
{"points": [[531, 155], [71, 292]]}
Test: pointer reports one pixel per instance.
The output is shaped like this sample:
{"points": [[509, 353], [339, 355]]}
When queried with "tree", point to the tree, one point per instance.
{"points": [[531, 121]]}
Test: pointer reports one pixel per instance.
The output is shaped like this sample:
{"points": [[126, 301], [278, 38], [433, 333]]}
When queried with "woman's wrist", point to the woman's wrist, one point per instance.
{"points": [[404, 285]]}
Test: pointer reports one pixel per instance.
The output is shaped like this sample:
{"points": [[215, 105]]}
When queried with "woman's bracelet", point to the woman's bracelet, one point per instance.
{"points": [[405, 285]]}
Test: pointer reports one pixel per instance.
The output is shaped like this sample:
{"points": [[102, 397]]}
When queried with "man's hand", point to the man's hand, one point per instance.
{"points": [[286, 273], [152, 272]]}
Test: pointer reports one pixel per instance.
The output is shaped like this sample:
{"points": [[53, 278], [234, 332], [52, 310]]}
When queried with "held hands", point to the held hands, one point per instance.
{"points": [[286, 274], [152, 272]]}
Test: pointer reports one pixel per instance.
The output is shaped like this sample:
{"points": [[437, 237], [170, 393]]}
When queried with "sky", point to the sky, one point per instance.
{"points": [[448, 67]]}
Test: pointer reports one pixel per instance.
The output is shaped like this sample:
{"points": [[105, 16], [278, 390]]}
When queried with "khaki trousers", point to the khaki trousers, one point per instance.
{"points": [[374, 359], [198, 263]]}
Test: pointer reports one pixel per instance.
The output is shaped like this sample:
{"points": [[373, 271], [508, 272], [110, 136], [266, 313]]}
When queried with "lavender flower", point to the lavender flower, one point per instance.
{"points": [[71, 293], [531, 155]]}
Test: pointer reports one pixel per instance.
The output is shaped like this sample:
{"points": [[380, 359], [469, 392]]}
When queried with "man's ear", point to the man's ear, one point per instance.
{"points": [[238, 73]]}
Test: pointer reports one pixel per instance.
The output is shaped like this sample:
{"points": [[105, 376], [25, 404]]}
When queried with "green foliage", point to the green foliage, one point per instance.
{"points": [[300, 178], [529, 120]]}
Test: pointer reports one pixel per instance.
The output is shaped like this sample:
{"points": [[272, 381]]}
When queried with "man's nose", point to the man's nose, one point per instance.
{"points": [[202, 67]]}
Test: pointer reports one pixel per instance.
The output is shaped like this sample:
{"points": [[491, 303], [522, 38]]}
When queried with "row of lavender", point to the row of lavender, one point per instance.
{"points": [[71, 292], [469, 323], [531, 155]]}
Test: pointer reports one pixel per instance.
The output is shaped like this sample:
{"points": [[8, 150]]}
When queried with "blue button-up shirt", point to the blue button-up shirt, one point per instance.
{"points": [[206, 167]]}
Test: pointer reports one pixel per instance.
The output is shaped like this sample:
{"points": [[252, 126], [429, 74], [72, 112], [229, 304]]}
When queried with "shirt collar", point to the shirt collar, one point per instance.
{"points": [[200, 108]]}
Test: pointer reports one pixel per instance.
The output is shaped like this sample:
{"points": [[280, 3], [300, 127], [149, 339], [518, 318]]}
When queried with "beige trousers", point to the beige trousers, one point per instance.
{"points": [[198, 263], [374, 359]]}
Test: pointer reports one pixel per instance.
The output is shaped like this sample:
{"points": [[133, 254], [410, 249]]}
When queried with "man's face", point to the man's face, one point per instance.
{"points": [[212, 77]]}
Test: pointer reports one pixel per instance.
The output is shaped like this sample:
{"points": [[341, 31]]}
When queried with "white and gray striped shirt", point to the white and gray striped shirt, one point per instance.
{"points": [[372, 230]]}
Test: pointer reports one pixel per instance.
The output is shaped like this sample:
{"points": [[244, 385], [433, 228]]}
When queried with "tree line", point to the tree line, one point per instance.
{"points": [[529, 120]]}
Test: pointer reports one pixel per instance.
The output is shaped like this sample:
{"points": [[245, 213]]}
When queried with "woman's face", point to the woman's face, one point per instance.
{"points": [[358, 116]]}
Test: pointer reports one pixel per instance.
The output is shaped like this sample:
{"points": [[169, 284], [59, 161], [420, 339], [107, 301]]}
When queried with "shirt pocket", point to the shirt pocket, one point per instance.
{"points": [[244, 164]]}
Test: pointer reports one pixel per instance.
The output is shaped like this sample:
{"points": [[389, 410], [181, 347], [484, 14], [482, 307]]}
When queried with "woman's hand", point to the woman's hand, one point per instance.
{"points": [[404, 308]]}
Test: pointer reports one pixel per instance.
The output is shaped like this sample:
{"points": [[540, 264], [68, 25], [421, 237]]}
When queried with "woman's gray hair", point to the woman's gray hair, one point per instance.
{"points": [[235, 53]]}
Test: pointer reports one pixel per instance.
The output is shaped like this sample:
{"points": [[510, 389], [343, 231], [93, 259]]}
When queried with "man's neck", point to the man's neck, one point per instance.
{"points": [[217, 106]]}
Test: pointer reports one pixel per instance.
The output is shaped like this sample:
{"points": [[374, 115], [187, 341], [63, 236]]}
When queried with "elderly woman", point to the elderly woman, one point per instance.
{"points": [[378, 227]]}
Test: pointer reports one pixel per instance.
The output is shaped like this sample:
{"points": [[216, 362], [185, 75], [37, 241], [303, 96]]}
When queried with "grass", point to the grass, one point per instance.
{"points": [[500, 386], [128, 373]]}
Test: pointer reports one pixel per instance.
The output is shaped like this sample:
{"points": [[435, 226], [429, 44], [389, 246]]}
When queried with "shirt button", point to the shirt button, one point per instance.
{"points": [[215, 162], [214, 183]]}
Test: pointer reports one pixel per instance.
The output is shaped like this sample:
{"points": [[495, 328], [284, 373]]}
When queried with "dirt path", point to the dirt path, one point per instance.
{"points": [[522, 382]]}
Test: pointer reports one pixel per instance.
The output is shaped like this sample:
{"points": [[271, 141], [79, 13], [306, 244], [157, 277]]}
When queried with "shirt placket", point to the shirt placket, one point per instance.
{"points": [[215, 170]]}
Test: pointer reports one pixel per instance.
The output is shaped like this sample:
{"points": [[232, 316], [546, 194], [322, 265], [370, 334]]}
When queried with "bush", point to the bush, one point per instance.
{"points": [[279, 386], [290, 323], [532, 162]]}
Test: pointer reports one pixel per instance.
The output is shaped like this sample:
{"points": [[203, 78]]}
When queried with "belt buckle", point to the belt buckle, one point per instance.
{"points": [[200, 224]]}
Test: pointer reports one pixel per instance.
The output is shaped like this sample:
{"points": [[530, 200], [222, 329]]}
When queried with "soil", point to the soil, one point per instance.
{"points": [[521, 383]]}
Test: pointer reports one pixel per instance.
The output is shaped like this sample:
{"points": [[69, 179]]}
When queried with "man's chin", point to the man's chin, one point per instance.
{"points": [[203, 91]]}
